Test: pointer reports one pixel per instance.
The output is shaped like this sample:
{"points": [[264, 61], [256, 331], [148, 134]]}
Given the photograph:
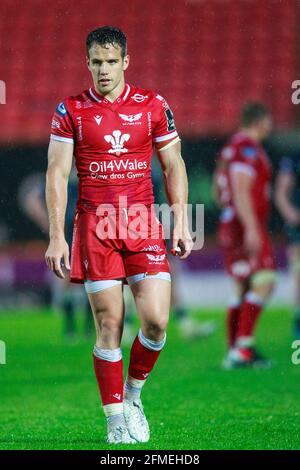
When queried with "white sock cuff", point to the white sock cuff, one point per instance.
{"points": [[110, 355], [234, 302], [245, 341], [136, 383], [150, 344], [113, 409], [254, 298]]}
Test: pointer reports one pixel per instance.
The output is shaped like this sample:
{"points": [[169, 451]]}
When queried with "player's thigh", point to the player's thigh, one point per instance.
{"points": [[108, 306], [152, 298], [263, 278]]}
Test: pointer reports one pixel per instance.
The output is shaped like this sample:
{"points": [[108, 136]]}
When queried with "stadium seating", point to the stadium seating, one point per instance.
{"points": [[206, 69]]}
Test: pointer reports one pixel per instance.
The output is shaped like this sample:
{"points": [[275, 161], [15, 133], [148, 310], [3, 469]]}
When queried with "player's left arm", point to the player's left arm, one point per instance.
{"points": [[176, 185]]}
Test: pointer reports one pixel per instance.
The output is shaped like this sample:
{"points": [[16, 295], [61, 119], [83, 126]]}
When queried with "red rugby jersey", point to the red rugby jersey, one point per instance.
{"points": [[243, 154], [113, 143]]}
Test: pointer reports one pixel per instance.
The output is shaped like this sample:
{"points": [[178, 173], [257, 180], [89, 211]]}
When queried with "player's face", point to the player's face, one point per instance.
{"points": [[266, 125], [107, 67]]}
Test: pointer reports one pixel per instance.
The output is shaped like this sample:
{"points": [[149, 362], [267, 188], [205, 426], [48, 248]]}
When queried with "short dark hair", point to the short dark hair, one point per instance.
{"points": [[107, 35], [252, 112]]}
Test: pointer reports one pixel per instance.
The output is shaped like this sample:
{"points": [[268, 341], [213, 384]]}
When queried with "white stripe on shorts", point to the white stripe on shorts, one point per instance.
{"points": [[139, 277], [91, 287]]}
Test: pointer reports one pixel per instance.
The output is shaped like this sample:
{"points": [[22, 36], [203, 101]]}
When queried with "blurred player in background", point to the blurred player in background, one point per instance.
{"points": [[287, 197], [242, 187], [111, 129], [32, 201]]}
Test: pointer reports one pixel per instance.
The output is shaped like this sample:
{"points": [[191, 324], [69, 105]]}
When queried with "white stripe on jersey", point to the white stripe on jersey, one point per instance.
{"points": [[69, 140], [94, 96], [127, 92], [240, 167], [165, 137]]}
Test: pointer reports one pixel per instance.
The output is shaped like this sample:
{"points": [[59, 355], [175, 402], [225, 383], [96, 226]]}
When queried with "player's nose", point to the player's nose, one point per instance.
{"points": [[103, 70]]}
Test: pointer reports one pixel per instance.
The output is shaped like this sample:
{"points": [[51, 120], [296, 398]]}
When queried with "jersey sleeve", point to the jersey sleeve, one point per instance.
{"points": [[62, 126], [164, 128], [246, 160]]}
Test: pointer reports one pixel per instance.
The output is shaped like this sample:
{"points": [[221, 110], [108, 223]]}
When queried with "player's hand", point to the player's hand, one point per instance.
{"points": [[57, 255], [252, 241], [182, 243]]}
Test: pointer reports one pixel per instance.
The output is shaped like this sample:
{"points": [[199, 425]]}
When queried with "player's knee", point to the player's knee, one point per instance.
{"points": [[109, 325], [263, 283], [264, 290], [156, 328]]}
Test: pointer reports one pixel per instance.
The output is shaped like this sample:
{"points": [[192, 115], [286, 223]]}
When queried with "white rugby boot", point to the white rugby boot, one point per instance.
{"points": [[136, 420], [119, 434]]}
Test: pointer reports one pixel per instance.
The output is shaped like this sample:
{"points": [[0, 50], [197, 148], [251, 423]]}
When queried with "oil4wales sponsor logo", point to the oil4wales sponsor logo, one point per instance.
{"points": [[99, 170]]}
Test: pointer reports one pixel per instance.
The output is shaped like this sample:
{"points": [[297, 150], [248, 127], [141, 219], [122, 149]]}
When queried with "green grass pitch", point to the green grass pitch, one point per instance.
{"points": [[49, 397]]}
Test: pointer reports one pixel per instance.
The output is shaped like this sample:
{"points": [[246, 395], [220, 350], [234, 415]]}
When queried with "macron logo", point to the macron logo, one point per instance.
{"points": [[98, 119], [117, 396]]}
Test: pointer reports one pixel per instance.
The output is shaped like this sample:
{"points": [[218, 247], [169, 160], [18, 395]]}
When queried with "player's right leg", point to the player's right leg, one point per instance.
{"points": [[244, 352], [106, 299], [152, 297], [240, 288]]}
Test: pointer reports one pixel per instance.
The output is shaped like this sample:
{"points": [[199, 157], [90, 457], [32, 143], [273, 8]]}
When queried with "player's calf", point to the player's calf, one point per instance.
{"points": [[108, 365], [143, 356]]}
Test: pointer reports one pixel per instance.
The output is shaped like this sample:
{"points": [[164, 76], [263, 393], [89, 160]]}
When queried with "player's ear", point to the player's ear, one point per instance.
{"points": [[126, 61], [88, 62]]}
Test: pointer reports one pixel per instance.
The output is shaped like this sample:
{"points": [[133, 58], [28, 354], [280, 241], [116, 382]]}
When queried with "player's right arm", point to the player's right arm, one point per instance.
{"points": [[242, 179], [285, 183], [60, 156]]}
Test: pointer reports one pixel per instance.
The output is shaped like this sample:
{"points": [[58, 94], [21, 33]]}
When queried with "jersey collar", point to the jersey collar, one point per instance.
{"points": [[101, 99]]}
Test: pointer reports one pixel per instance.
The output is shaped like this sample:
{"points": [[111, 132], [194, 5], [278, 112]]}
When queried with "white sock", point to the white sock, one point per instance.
{"points": [[133, 388], [245, 342]]}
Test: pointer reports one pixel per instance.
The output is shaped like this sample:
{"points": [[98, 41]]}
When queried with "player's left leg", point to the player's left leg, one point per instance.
{"points": [[261, 287], [152, 296]]}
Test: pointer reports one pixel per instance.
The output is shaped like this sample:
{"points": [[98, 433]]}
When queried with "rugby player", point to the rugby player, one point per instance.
{"points": [[111, 129], [242, 184]]}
